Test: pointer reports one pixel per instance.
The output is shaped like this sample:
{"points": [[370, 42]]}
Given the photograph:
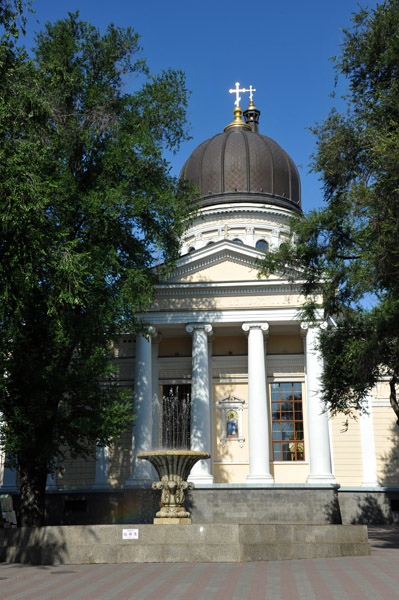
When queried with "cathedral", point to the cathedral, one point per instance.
{"points": [[233, 343]]}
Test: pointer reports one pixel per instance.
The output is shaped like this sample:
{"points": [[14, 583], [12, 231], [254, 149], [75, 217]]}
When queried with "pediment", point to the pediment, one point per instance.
{"points": [[222, 261]]}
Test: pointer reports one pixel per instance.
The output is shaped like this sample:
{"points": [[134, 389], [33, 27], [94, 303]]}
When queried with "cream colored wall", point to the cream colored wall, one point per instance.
{"points": [[230, 473], [386, 435], [284, 344], [224, 271], [232, 452], [347, 452], [236, 345], [179, 346], [231, 463], [290, 473]]}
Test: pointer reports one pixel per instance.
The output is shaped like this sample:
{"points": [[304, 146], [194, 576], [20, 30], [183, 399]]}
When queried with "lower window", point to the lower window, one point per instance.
{"points": [[287, 421]]}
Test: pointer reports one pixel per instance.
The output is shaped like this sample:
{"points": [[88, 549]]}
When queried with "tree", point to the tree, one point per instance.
{"points": [[13, 17], [86, 201], [348, 251]]}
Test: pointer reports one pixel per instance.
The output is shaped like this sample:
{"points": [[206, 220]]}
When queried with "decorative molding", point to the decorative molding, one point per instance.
{"points": [[239, 290], [282, 364], [289, 314], [174, 368], [251, 288], [238, 210]]}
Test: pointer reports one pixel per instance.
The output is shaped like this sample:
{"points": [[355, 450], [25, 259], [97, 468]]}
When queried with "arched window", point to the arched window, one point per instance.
{"points": [[191, 249], [262, 245], [211, 242], [237, 241]]}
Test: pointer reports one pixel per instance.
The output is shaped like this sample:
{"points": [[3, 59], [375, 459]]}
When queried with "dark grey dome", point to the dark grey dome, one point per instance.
{"points": [[242, 165]]}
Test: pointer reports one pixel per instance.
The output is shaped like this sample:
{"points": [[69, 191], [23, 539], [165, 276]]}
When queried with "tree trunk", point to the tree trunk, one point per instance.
{"points": [[32, 493], [393, 397]]}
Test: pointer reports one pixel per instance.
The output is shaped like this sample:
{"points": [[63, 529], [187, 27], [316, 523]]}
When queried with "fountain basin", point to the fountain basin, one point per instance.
{"points": [[173, 468]]}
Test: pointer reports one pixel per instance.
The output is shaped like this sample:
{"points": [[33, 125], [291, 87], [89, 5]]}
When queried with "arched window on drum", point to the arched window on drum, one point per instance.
{"points": [[262, 245]]}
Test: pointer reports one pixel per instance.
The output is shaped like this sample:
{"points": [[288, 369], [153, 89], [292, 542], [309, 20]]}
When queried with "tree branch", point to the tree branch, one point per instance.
{"points": [[393, 398]]}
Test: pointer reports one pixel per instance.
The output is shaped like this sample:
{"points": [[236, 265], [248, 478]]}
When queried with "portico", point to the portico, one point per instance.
{"points": [[233, 357]]}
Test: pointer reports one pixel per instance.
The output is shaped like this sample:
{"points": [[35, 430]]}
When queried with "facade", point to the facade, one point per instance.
{"points": [[236, 345]]}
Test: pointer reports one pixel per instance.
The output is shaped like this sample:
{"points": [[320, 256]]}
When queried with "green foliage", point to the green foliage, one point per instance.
{"points": [[13, 17], [349, 249], [86, 202]]}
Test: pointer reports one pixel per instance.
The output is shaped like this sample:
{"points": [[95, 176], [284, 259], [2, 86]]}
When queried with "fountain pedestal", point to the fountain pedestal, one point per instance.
{"points": [[173, 468]]}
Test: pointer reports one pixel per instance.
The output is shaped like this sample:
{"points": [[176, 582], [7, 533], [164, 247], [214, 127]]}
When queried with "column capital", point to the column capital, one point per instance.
{"points": [[264, 327], [147, 331], [305, 326], [191, 327]]}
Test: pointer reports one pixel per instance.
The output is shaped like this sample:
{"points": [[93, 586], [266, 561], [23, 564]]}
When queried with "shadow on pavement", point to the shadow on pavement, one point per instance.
{"points": [[384, 536]]}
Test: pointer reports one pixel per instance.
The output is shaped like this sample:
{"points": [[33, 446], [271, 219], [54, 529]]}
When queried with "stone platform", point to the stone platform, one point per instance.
{"points": [[236, 542]]}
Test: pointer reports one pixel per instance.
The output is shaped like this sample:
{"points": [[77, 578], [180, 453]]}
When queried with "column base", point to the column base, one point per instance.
{"points": [[133, 482], [371, 484], [9, 489], [207, 479], [171, 521], [322, 479], [260, 479]]}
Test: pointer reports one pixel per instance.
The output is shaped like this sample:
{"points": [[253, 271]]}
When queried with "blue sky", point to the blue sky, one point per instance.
{"points": [[282, 48]]}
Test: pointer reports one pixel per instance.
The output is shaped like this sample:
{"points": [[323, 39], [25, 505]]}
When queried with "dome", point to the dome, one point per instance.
{"points": [[241, 165]]}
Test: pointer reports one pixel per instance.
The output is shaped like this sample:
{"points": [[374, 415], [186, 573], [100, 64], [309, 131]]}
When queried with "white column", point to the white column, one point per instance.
{"points": [[142, 407], [369, 461], [200, 430], [318, 427], [154, 389], [199, 243], [101, 474], [258, 413], [210, 379]]}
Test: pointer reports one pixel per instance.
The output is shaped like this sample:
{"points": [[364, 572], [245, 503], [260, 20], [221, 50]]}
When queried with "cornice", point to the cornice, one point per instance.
{"points": [[195, 290], [281, 314], [243, 207]]}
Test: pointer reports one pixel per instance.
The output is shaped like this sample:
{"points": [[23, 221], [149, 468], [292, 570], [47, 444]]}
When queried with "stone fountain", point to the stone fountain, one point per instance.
{"points": [[173, 468], [174, 463]]}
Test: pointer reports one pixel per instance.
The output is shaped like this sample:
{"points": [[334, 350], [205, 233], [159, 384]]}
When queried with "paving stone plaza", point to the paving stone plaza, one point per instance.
{"points": [[374, 577]]}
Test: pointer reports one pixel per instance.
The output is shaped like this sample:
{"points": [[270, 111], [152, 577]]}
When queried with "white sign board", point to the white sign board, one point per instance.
{"points": [[130, 534]]}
